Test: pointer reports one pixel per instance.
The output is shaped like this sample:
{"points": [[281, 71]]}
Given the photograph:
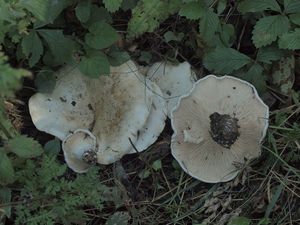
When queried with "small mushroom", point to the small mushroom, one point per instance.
{"points": [[218, 127], [79, 150], [173, 80]]}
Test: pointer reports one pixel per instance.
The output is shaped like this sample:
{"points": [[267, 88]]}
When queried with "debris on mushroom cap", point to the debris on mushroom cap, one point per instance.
{"points": [[114, 108], [173, 80], [220, 124], [80, 150], [155, 122]]}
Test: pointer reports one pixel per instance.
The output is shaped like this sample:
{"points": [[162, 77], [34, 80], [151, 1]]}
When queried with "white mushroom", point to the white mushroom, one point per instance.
{"points": [[79, 150], [115, 109], [218, 127], [173, 80]]}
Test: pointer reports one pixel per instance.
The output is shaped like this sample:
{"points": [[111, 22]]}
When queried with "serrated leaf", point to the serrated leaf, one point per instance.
{"points": [[269, 54], [193, 10], [7, 173], [112, 5], [94, 65], [118, 218], [116, 57], [290, 40], [255, 76], [24, 147], [101, 35], [267, 29], [45, 80], [32, 47], [225, 60], [209, 24], [295, 18], [83, 11], [258, 6], [60, 46], [5, 197], [38, 8], [239, 221], [292, 6]]}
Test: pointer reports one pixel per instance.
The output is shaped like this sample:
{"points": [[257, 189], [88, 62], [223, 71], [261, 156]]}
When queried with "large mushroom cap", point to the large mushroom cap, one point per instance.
{"points": [[219, 125], [173, 80]]}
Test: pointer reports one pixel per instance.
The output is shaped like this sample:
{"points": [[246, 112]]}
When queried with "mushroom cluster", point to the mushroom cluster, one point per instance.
{"points": [[217, 127], [99, 120]]}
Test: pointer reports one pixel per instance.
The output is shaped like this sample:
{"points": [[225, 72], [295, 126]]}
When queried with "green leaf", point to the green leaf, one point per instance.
{"points": [[156, 165], [171, 36], [60, 46], [258, 6], [290, 40], [25, 147], [101, 35], [209, 24], [144, 174], [5, 198], [193, 10], [52, 147], [116, 57], [239, 221], [112, 5], [227, 34], [45, 80], [32, 47], [83, 11], [98, 14], [118, 218], [274, 199], [295, 18], [7, 173], [292, 6], [221, 6], [225, 60], [94, 65], [255, 76], [267, 29], [269, 54], [39, 8]]}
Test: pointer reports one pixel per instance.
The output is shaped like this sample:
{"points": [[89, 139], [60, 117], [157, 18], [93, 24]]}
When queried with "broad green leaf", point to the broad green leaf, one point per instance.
{"points": [[39, 8], [7, 173], [94, 65], [209, 24], [227, 34], [283, 75], [5, 198], [52, 147], [118, 218], [258, 6], [112, 5], [156, 165], [225, 60], [267, 29], [145, 57], [25, 147], [32, 47], [193, 10], [60, 46], [128, 4], [116, 57], [101, 35], [256, 77], [239, 221], [83, 11], [221, 6], [290, 40], [171, 36], [295, 18], [269, 54], [292, 6], [98, 14], [45, 80]]}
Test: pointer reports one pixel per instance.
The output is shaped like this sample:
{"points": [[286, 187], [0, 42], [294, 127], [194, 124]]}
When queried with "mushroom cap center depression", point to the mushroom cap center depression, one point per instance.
{"points": [[90, 157], [224, 129]]}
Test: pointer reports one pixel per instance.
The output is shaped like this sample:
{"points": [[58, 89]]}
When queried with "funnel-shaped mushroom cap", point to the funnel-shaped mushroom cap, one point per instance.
{"points": [[58, 113], [79, 150], [155, 122], [173, 80], [218, 126]]}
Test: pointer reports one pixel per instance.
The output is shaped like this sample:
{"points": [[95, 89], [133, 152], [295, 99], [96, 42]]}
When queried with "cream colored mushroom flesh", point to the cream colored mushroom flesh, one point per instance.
{"points": [[218, 127]]}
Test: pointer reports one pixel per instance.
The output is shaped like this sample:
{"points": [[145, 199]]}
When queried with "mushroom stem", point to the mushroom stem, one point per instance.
{"points": [[187, 137]]}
